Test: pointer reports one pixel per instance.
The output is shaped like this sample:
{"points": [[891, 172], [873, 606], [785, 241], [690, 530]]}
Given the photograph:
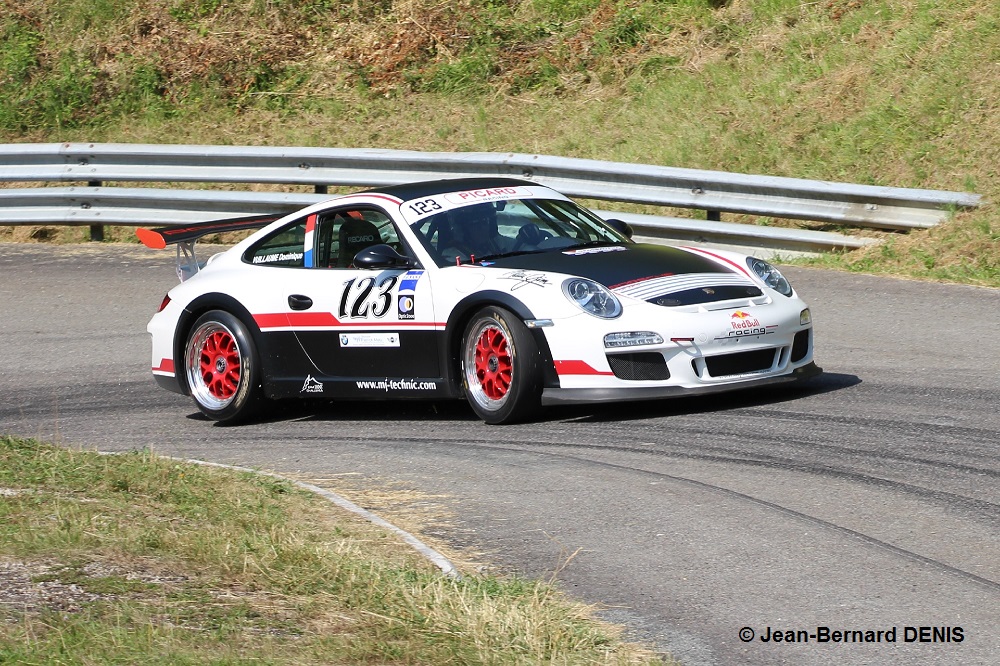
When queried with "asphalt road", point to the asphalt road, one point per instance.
{"points": [[867, 499]]}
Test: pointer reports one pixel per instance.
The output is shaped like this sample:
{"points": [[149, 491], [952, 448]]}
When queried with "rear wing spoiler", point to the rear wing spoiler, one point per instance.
{"points": [[185, 237]]}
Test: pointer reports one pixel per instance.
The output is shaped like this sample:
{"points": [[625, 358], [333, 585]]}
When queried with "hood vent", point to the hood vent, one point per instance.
{"points": [[690, 289], [706, 295]]}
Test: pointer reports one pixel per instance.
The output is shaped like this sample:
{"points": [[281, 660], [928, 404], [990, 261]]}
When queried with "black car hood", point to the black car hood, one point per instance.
{"points": [[616, 265]]}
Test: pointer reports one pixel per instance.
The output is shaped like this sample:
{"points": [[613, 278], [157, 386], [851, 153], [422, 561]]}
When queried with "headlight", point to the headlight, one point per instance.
{"points": [[592, 298], [771, 276], [632, 339]]}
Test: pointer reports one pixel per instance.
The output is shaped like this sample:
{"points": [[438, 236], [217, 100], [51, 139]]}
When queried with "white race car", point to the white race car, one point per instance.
{"points": [[500, 291]]}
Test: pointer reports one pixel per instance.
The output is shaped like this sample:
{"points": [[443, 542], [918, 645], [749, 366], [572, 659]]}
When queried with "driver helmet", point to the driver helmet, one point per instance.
{"points": [[475, 224]]}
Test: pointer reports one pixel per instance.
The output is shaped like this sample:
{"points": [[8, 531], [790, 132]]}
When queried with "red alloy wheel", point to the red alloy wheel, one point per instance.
{"points": [[220, 364], [221, 368], [501, 371], [494, 368]]}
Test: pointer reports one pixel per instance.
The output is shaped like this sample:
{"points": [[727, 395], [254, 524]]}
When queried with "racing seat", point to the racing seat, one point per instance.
{"points": [[355, 235], [439, 235]]}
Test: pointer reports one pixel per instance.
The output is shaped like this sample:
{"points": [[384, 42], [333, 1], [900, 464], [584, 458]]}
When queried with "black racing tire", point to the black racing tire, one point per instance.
{"points": [[501, 367], [222, 368]]}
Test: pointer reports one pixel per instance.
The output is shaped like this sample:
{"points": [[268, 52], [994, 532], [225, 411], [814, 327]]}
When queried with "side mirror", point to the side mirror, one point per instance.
{"points": [[380, 256], [621, 226]]}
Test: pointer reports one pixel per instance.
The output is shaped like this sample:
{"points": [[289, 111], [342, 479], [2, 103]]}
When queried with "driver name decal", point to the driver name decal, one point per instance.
{"points": [[277, 256]]}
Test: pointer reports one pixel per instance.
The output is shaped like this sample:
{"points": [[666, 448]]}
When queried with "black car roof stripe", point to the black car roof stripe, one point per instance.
{"points": [[163, 236]]}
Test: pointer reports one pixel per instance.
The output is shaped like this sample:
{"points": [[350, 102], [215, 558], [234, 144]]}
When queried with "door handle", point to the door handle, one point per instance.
{"points": [[299, 302]]}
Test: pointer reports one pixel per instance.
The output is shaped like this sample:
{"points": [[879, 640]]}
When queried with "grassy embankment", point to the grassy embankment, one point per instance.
{"points": [[890, 92], [137, 559]]}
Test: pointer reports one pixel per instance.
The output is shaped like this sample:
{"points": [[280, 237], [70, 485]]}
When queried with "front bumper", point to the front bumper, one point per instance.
{"points": [[573, 396]]}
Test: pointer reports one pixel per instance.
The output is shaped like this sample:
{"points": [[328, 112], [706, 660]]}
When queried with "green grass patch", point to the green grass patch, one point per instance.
{"points": [[136, 558]]}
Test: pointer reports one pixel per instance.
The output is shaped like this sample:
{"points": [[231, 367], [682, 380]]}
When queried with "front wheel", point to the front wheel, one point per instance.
{"points": [[501, 367], [222, 368]]}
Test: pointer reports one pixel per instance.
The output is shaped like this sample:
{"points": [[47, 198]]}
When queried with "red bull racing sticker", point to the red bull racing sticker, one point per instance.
{"points": [[744, 325]]}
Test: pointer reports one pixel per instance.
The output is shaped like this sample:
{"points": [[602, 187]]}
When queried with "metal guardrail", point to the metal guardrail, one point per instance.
{"points": [[100, 206], [715, 192]]}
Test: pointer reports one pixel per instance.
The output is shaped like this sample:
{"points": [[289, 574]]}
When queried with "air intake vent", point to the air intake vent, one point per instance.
{"points": [[741, 363], [648, 366], [800, 347]]}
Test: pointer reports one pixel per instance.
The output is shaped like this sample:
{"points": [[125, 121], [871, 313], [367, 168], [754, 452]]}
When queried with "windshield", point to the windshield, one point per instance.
{"points": [[516, 226]]}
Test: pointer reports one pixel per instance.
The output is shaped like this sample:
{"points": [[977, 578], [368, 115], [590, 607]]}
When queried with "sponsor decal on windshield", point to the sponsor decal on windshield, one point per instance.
{"points": [[418, 209], [486, 194]]}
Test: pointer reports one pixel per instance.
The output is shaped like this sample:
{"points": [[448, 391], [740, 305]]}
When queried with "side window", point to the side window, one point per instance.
{"points": [[341, 234], [285, 247]]}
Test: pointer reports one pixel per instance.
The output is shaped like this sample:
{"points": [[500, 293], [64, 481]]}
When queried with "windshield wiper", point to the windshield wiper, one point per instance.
{"points": [[595, 243]]}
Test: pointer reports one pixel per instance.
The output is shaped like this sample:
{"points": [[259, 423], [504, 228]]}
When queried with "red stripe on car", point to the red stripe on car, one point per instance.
{"points": [[326, 319], [741, 269], [578, 368], [166, 365], [638, 280], [295, 319]]}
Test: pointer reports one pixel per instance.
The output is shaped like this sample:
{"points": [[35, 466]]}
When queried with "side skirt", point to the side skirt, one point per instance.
{"points": [[362, 388]]}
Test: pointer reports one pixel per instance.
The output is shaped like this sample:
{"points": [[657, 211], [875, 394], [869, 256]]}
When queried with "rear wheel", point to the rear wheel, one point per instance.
{"points": [[500, 367], [222, 368]]}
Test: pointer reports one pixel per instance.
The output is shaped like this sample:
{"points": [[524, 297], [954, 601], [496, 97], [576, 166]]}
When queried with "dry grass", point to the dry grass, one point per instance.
{"points": [[139, 559], [433, 518]]}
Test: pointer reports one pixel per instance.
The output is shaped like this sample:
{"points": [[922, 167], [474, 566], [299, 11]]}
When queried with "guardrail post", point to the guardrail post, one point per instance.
{"points": [[320, 189], [96, 230], [713, 215]]}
